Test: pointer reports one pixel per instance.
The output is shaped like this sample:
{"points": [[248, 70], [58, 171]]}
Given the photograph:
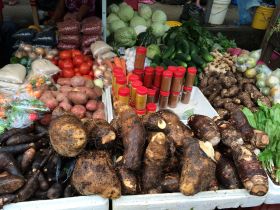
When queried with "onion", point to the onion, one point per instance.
{"points": [[102, 68], [19, 54], [98, 73], [98, 83], [108, 75], [32, 55], [94, 67], [99, 61], [27, 47], [53, 52], [40, 51], [49, 56]]}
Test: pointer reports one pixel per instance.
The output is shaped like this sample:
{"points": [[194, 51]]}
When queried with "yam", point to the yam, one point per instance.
{"points": [[230, 92], [129, 182], [6, 199], [65, 105], [198, 169], [260, 139], [60, 97], [94, 174], [205, 128], [67, 136], [27, 158], [55, 191], [170, 182]]}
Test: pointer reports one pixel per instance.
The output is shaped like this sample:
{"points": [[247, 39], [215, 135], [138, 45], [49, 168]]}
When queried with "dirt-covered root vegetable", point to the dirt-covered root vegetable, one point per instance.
{"points": [[154, 160], [219, 102], [228, 81], [205, 128], [68, 191], [229, 134], [256, 94], [246, 100], [6, 199], [170, 182], [230, 92], [10, 183], [67, 136], [55, 191], [260, 139], [27, 158], [155, 122], [232, 106], [223, 113], [198, 169], [14, 131], [226, 172], [129, 182], [94, 174], [214, 185], [43, 183], [133, 137], [250, 171], [240, 121], [20, 139], [16, 149], [100, 134], [9, 164]]}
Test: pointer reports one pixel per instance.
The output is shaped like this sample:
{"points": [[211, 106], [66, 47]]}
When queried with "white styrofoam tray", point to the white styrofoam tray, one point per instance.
{"points": [[201, 201], [108, 103], [273, 195], [73, 203], [198, 105]]}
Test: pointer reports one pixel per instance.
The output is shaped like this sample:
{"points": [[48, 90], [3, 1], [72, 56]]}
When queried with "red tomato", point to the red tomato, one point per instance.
{"points": [[84, 69], [68, 72], [76, 52], [90, 73], [78, 60], [87, 77], [87, 58], [54, 61], [76, 70], [65, 54], [78, 74], [89, 62], [67, 64]]}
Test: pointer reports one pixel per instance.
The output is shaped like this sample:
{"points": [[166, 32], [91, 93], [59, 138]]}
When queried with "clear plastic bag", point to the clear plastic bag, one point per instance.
{"points": [[68, 27], [70, 39], [25, 35], [91, 26], [46, 38]]}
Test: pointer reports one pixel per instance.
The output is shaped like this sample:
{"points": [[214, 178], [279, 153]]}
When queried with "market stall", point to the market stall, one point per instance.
{"points": [[162, 115]]}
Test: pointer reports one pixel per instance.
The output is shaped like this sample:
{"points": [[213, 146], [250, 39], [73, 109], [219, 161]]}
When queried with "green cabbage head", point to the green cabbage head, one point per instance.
{"points": [[116, 24], [126, 13], [125, 37], [113, 8], [145, 11], [159, 16], [136, 21], [112, 17]]}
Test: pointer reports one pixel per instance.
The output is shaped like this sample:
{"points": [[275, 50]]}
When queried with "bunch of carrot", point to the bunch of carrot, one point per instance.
{"points": [[116, 62]]}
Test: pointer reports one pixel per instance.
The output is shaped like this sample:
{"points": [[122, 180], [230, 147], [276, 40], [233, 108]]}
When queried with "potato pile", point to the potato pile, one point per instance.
{"points": [[230, 91], [76, 95]]}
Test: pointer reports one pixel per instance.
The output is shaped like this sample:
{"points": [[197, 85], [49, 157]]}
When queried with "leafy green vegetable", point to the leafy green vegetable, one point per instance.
{"points": [[116, 24], [113, 8], [136, 21], [152, 51], [145, 11], [159, 16], [268, 120], [125, 37], [125, 12]]}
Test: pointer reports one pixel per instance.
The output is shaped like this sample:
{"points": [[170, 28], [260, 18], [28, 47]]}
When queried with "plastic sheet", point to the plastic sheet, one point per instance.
{"points": [[25, 35], [46, 38]]}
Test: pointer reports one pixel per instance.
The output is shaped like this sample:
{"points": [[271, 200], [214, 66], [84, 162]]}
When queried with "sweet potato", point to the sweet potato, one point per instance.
{"points": [[10, 183], [129, 182], [226, 172], [99, 114], [21, 139], [59, 111], [100, 134], [205, 128], [91, 105], [65, 105], [64, 81], [94, 174], [133, 136], [78, 81], [88, 115], [54, 93], [79, 111], [65, 89], [27, 158], [170, 182], [89, 83], [77, 97], [100, 105], [55, 191], [15, 149], [250, 170], [154, 160], [198, 169], [67, 135]]}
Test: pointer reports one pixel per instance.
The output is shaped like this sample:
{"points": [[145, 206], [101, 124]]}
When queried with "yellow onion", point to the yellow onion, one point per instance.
{"points": [[40, 51], [32, 55], [98, 73]]}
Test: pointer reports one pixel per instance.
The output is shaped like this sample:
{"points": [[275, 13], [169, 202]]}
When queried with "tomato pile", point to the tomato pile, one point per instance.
{"points": [[74, 63]]}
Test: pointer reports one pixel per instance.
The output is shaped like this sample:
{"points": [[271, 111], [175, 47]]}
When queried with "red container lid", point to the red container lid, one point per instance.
{"points": [[164, 93], [117, 69], [175, 93], [149, 70], [121, 80], [192, 70], [124, 91], [159, 70], [119, 74], [187, 88], [172, 68], [152, 107], [142, 90], [181, 69], [151, 92], [155, 88], [138, 72], [136, 84], [167, 74], [140, 112], [133, 77], [179, 74], [141, 50]]}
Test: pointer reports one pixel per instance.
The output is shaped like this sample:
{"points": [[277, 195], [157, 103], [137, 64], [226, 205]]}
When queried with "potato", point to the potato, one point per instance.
{"points": [[90, 92], [99, 114], [77, 97], [54, 93], [91, 105], [94, 174], [89, 83], [65, 105], [46, 119], [65, 89], [79, 111], [78, 81], [49, 100], [67, 136], [100, 105], [89, 114], [57, 112], [98, 91], [60, 97], [64, 81]]}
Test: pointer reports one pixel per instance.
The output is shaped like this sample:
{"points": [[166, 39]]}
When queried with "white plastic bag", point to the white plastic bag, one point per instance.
{"points": [[13, 73], [99, 48], [43, 67]]}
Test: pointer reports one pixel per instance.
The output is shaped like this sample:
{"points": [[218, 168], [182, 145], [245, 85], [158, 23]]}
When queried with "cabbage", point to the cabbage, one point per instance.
{"points": [[126, 13], [116, 24], [152, 51], [113, 8], [136, 21], [107, 31], [125, 37], [112, 17], [148, 23], [140, 29], [136, 14], [145, 11], [159, 16], [158, 29]]}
